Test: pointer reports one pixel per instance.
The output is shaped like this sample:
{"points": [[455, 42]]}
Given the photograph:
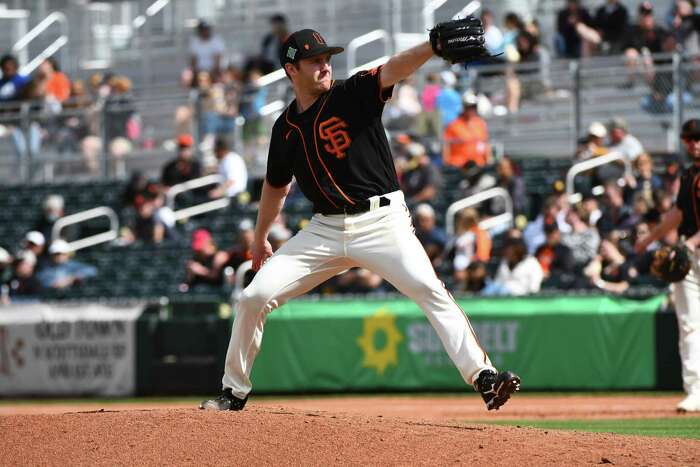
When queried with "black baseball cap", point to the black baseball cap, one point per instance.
{"points": [[691, 129], [305, 43], [646, 8]]}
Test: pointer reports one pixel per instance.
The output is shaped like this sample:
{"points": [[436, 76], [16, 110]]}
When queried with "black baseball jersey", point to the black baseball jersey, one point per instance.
{"points": [[688, 201], [337, 148]]}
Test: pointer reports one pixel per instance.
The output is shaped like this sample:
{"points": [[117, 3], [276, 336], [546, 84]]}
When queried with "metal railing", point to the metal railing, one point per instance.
{"points": [[589, 164], [473, 200], [197, 209], [22, 44], [80, 217], [364, 39]]}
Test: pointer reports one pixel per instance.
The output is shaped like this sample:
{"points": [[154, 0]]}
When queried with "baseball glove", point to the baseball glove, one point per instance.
{"points": [[459, 40], [671, 263]]}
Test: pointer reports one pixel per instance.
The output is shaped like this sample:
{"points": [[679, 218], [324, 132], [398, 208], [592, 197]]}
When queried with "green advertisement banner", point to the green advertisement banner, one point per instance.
{"points": [[553, 343]]}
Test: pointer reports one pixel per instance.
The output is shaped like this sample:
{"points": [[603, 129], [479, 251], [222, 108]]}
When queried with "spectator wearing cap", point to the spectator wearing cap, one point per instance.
{"points": [[207, 263], [231, 168], [556, 259], [448, 101], [242, 251], [184, 167], [593, 144], [61, 272], [420, 179], [271, 46], [515, 185], [206, 51], [622, 141], [433, 238], [641, 41], [467, 137], [518, 273], [612, 20], [583, 239], [34, 241]]}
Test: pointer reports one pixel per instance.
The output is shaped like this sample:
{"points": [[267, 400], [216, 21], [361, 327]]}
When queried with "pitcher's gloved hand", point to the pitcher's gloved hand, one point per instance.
{"points": [[671, 263], [459, 40]]}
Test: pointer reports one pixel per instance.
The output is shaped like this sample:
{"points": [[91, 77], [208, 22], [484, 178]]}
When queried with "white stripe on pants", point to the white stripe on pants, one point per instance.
{"points": [[382, 241], [686, 295]]}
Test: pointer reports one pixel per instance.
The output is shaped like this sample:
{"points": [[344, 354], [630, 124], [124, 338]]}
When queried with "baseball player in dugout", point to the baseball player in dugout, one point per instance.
{"points": [[685, 216], [331, 139]]}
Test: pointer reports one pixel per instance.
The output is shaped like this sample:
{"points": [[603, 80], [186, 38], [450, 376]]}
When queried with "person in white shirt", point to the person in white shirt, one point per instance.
{"points": [[493, 36], [232, 168], [623, 142], [206, 51], [518, 274]]}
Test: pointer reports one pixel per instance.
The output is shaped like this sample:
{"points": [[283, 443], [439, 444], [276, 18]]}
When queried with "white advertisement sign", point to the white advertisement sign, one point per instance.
{"points": [[68, 350]]}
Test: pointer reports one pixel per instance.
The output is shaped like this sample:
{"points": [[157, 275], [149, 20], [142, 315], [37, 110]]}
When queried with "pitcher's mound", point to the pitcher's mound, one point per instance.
{"points": [[266, 435]]}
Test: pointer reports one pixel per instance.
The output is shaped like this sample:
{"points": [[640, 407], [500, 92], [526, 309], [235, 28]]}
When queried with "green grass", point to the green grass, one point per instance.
{"points": [[673, 427]]}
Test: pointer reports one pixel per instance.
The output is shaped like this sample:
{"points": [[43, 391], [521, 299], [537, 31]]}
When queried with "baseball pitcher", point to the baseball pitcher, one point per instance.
{"points": [[331, 139]]}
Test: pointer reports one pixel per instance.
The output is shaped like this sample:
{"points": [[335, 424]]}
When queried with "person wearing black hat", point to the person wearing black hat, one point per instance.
{"points": [[685, 216], [332, 141]]}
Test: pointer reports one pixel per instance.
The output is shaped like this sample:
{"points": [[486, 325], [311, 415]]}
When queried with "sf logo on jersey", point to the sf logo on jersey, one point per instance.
{"points": [[338, 140]]}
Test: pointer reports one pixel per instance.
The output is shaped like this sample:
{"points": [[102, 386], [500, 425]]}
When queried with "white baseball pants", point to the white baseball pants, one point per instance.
{"points": [[381, 240], [686, 295]]}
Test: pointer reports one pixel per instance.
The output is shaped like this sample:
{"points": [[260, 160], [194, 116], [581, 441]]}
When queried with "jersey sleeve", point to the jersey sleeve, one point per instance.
{"points": [[279, 166], [685, 192], [364, 87]]}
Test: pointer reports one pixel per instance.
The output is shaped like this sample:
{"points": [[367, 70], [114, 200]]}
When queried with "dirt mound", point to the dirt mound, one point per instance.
{"points": [[270, 435]]}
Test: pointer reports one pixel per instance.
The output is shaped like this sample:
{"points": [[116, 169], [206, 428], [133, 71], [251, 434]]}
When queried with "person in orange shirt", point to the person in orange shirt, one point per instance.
{"points": [[471, 244], [57, 83], [467, 138]]}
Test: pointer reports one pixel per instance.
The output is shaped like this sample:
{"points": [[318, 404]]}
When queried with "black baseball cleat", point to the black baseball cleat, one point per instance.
{"points": [[497, 388], [226, 401]]}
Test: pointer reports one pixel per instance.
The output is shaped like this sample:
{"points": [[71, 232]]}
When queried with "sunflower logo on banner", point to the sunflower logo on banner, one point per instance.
{"points": [[379, 341]]}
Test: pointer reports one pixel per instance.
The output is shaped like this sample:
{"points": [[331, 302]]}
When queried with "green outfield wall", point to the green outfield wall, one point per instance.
{"points": [[553, 343]]}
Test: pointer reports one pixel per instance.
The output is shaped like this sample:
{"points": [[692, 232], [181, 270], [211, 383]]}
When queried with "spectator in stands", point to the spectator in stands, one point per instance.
{"points": [[26, 261], [591, 209], [428, 123], [645, 182], [552, 213], [611, 21], [213, 107], [122, 127], [556, 259], [448, 102], [34, 242], [58, 86], [684, 25], [272, 42], [432, 237], [207, 263], [493, 36], [242, 251], [575, 33], [593, 144], [467, 137], [15, 88], [610, 270], [518, 273], [147, 227], [616, 214], [61, 272], [77, 129], [6, 273], [420, 180], [514, 183], [184, 167], [622, 141], [53, 209], [231, 168], [471, 244], [253, 97], [642, 40], [405, 106], [358, 281], [206, 53], [583, 239]]}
